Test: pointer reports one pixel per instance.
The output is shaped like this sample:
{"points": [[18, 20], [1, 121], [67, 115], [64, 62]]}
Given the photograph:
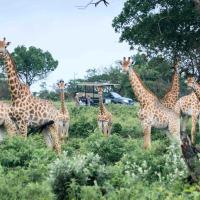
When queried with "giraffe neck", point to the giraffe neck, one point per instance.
{"points": [[143, 95], [62, 99], [101, 105], [13, 79], [174, 89]]}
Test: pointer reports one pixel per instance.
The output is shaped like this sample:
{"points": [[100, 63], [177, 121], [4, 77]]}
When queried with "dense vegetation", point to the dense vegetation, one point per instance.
{"points": [[95, 167]]}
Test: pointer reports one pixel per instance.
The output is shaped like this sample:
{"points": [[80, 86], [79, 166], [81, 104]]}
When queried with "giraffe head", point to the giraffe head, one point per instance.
{"points": [[61, 85], [126, 64], [190, 81], [3, 46]]}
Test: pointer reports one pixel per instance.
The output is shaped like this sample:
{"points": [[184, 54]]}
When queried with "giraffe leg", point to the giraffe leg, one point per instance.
{"points": [[105, 128], [185, 119], [55, 138], [109, 128], [147, 136], [23, 127], [47, 137], [174, 129], [2, 133], [193, 130], [10, 127]]}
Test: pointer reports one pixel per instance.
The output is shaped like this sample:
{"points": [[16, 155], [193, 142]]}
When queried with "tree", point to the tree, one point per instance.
{"points": [[166, 27], [33, 64]]}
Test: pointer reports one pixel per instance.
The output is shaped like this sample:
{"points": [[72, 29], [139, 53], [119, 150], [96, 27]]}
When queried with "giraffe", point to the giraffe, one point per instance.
{"points": [[6, 123], [61, 85], [152, 112], [170, 98], [104, 118], [186, 106], [27, 110], [192, 83], [195, 108]]}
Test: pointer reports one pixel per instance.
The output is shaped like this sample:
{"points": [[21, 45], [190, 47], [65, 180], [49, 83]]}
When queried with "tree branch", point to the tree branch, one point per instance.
{"points": [[106, 3]]}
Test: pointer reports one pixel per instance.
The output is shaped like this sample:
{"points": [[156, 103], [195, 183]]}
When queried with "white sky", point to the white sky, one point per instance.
{"points": [[78, 39]]}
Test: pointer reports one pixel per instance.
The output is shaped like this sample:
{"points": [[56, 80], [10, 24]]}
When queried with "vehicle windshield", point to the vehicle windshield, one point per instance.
{"points": [[116, 95]]}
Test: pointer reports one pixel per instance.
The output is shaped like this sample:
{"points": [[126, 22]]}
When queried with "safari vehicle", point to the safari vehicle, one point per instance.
{"points": [[89, 90]]}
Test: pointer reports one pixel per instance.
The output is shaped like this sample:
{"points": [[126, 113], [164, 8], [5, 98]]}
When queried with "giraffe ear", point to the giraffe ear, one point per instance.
{"points": [[120, 62]]}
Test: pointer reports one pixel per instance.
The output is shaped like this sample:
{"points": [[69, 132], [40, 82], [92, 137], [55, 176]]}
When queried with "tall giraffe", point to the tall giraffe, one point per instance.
{"points": [[104, 118], [186, 106], [26, 109], [6, 124], [65, 127], [171, 96], [152, 113]]}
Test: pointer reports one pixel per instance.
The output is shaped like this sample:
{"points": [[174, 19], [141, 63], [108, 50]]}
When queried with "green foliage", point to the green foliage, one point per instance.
{"points": [[33, 64], [76, 171], [93, 166], [24, 168], [109, 149], [167, 27], [116, 128]]}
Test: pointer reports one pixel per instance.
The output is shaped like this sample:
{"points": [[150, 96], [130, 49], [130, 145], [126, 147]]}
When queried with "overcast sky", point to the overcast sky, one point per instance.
{"points": [[78, 39]]}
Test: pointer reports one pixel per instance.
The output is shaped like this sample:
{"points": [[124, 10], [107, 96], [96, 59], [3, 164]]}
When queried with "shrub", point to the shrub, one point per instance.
{"points": [[69, 173], [153, 166], [109, 149], [81, 128], [116, 128]]}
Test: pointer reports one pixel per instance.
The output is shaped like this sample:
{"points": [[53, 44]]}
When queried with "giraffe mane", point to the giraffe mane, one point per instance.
{"points": [[13, 63]]}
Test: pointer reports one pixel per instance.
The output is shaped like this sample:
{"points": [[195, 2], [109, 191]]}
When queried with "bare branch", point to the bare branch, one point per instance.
{"points": [[106, 3]]}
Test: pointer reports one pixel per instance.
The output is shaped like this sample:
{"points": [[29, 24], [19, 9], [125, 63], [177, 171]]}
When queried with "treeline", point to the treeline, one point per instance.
{"points": [[156, 73]]}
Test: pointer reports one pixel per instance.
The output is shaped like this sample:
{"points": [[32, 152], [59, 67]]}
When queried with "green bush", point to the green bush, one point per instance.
{"points": [[69, 173], [110, 149], [81, 128], [116, 128]]}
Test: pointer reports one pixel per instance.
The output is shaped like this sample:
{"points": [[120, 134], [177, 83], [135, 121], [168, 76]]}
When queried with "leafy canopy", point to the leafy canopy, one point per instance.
{"points": [[33, 64], [162, 26]]}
